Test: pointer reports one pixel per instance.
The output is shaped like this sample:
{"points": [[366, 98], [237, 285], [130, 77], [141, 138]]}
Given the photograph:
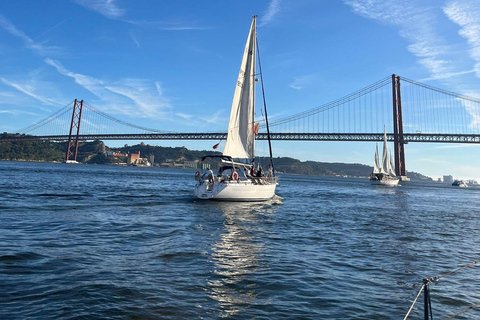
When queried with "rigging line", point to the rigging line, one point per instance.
{"points": [[265, 106], [414, 301], [463, 311], [458, 269]]}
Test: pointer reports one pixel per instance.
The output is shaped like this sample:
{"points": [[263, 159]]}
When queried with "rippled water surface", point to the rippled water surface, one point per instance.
{"points": [[104, 242]]}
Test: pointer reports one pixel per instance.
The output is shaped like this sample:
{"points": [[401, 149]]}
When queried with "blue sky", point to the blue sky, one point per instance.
{"points": [[172, 65]]}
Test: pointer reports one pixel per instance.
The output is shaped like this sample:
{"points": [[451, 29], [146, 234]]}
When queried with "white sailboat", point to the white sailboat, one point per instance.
{"points": [[234, 180], [384, 173]]}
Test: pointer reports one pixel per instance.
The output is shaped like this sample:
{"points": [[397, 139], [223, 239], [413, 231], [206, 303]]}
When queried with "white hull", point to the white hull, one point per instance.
{"points": [[235, 191], [385, 182]]}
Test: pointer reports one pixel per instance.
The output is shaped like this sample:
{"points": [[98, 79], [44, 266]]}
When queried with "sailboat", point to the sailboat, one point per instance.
{"points": [[384, 173], [236, 179]]}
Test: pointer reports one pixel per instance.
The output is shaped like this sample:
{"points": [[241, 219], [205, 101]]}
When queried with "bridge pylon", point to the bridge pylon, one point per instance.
{"points": [[398, 139], [72, 145]]}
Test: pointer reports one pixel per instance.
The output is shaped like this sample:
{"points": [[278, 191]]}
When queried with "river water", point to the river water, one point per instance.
{"points": [[105, 242]]}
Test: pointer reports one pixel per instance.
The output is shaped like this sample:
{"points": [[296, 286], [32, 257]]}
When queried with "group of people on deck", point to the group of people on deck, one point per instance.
{"points": [[252, 173]]}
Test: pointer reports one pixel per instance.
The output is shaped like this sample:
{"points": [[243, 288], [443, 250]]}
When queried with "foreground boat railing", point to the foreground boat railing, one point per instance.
{"points": [[427, 305]]}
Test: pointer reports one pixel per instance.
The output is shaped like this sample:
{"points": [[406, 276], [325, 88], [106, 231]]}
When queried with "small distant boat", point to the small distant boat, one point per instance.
{"points": [[384, 174], [460, 184]]}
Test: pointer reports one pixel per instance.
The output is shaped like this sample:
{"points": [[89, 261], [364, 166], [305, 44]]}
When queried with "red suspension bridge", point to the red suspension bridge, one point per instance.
{"points": [[411, 111]]}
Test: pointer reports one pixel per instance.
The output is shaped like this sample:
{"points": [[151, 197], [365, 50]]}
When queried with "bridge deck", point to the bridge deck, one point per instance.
{"points": [[407, 137]]}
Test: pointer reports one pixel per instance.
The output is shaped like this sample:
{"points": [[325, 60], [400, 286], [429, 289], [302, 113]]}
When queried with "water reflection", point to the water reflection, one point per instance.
{"points": [[385, 190], [236, 256]]}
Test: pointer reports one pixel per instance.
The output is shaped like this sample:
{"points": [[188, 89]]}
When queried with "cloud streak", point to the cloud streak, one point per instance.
{"points": [[272, 10], [42, 49], [110, 10], [29, 91], [467, 15], [134, 39], [132, 97], [416, 25], [107, 8], [300, 82]]}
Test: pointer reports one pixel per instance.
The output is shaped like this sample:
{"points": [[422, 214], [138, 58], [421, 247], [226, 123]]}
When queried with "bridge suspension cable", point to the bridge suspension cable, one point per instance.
{"points": [[54, 116], [426, 110]]}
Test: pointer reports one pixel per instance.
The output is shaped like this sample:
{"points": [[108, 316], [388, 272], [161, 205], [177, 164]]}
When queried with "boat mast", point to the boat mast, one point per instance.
{"points": [[255, 43], [265, 106]]}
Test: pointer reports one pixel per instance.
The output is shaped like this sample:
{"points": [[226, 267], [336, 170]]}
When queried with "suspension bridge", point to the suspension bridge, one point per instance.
{"points": [[410, 110]]}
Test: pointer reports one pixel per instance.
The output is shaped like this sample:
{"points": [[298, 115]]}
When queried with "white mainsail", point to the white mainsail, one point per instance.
{"points": [[384, 168], [376, 162], [240, 137], [392, 166]]}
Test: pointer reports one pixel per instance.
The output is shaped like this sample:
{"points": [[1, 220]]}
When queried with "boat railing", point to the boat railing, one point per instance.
{"points": [[427, 307]]}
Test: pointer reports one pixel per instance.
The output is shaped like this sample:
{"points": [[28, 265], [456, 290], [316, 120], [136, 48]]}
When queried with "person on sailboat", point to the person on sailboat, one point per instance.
{"points": [[260, 172], [210, 176]]}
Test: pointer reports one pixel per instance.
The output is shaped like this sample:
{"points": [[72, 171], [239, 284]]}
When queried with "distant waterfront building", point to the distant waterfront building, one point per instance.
{"points": [[114, 154], [151, 158], [447, 179], [133, 157], [190, 164]]}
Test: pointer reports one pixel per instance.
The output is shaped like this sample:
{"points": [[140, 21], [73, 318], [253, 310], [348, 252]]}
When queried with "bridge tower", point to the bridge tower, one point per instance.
{"points": [[71, 155], [398, 141]]}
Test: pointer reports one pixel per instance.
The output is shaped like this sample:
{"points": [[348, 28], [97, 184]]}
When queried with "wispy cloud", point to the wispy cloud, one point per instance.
{"points": [[107, 8], [95, 86], [472, 109], [133, 97], [171, 25], [456, 146], [110, 10], [18, 112], [140, 92], [300, 82], [134, 39], [417, 25], [272, 10], [466, 14], [41, 48], [29, 90], [430, 160], [185, 116], [213, 119]]}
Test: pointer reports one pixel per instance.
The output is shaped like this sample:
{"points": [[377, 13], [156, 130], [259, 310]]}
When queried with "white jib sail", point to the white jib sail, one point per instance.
{"points": [[384, 168], [240, 137], [376, 162], [392, 166]]}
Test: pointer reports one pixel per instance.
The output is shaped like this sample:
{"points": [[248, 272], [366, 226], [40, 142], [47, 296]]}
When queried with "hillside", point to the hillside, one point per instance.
{"points": [[95, 152]]}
